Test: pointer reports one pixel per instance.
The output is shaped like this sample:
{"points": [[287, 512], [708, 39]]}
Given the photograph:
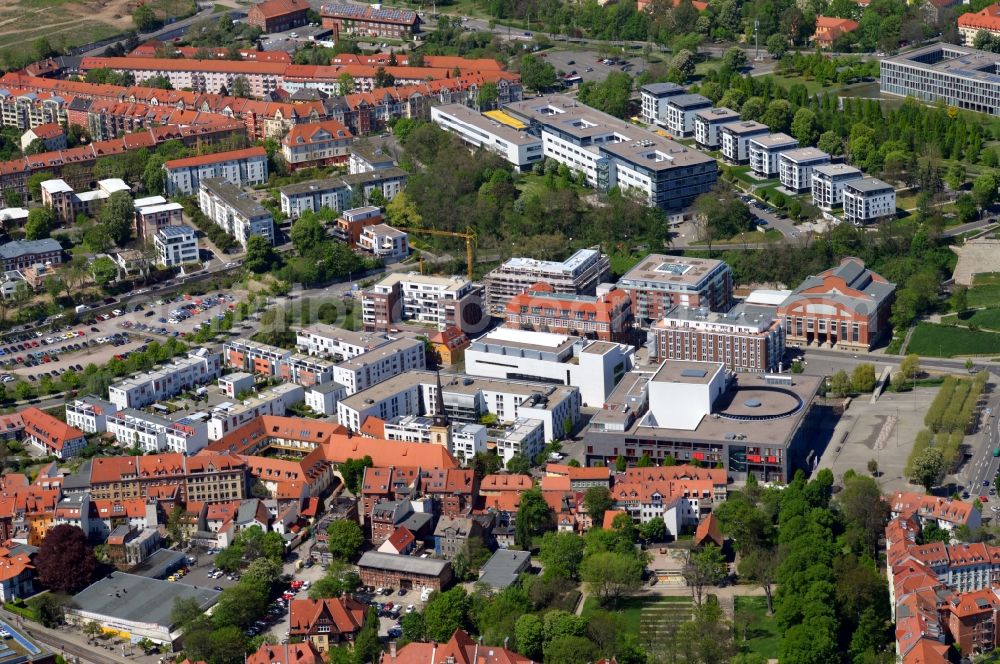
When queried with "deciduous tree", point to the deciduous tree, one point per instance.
{"points": [[65, 561]]}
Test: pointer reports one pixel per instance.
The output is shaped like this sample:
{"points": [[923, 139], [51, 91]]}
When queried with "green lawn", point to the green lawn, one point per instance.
{"points": [[812, 86], [984, 292], [647, 616], [944, 341], [983, 318], [763, 636]]}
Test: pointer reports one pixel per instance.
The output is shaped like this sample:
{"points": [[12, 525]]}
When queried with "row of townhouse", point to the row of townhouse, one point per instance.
{"points": [[260, 358], [206, 477], [135, 428], [26, 109], [337, 193], [198, 367], [228, 416]]}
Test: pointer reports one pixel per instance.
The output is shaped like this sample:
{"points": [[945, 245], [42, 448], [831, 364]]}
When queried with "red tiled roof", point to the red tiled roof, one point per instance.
{"points": [[47, 130], [54, 433], [460, 649], [276, 8], [346, 615], [306, 134], [987, 19], [708, 529], [232, 155], [579, 472], [506, 482], [288, 653], [401, 538]]}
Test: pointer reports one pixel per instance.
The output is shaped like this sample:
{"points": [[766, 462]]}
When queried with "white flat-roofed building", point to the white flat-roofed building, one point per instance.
{"points": [[338, 192], [176, 245], [735, 139], [681, 111], [658, 283], [654, 97], [467, 439], [868, 199], [466, 399], [152, 433], [323, 398], [260, 358], [234, 210], [240, 167], [275, 401], [519, 148], [577, 275], [707, 123], [795, 167], [958, 76], [764, 152], [89, 414], [828, 184], [379, 364], [524, 436], [236, 382], [593, 367], [614, 153], [336, 343], [366, 158], [13, 216], [385, 242], [67, 204], [199, 367], [440, 301]]}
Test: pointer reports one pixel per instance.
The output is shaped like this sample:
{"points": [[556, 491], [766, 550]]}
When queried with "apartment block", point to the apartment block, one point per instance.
{"points": [[985, 20], [21, 254], [229, 416], [89, 414], [152, 433], [707, 124], [577, 275], [25, 109], [955, 75], [336, 343], [211, 76], [141, 390], [240, 167], [867, 200], [764, 152], [735, 139], [440, 301], [50, 435], [747, 338], [323, 398], [795, 167], [828, 184], [518, 147], [67, 204], [367, 159], [337, 193], [258, 358], [236, 211], [659, 283], [153, 213], [351, 222], [613, 153], [370, 21], [681, 112], [379, 364], [385, 242], [654, 97], [176, 245], [607, 316], [51, 135], [316, 144]]}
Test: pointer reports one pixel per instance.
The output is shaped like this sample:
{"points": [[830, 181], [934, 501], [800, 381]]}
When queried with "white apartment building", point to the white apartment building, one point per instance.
{"points": [[275, 401], [385, 242], [336, 343], [316, 144], [466, 399], [735, 138], [366, 159], [199, 367], [593, 367], [577, 275], [323, 398], [337, 193], [439, 301], [613, 153], [176, 245], [240, 167], [152, 433], [681, 111], [828, 184], [522, 436], [89, 414], [259, 358], [795, 167], [236, 211], [201, 76], [654, 99], [467, 439], [707, 123], [764, 152], [237, 382], [391, 359], [519, 148], [868, 199]]}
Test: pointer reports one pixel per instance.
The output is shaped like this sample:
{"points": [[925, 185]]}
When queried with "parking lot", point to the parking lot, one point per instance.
{"points": [[198, 574], [588, 65]]}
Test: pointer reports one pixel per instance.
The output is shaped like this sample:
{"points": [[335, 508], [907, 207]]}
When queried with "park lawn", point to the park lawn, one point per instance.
{"points": [[945, 341], [988, 319], [987, 295], [622, 262], [530, 183], [632, 609], [812, 86], [763, 633]]}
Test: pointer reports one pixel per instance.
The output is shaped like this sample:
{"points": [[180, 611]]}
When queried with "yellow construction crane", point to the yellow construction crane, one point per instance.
{"points": [[469, 236]]}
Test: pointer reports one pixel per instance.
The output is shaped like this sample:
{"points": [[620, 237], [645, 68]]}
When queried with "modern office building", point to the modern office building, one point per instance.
{"points": [[613, 153], [764, 151], [519, 148], [958, 76], [654, 98], [735, 139], [240, 167], [828, 184], [439, 301], [795, 167], [235, 211], [577, 275], [659, 283], [746, 338], [681, 113], [593, 367], [176, 245], [867, 200], [707, 124], [846, 306], [607, 316], [337, 193]]}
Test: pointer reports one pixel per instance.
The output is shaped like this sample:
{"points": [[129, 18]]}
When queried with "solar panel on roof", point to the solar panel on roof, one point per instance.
{"points": [[694, 373]]}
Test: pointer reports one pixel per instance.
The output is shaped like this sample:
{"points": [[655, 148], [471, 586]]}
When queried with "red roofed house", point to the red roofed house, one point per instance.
{"points": [[17, 574], [986, 20], [606, 317], [288, 653], [496, 485], [278, 15], [972, 620], [326, 622], [460, 649], [401, 542], [316, 144], [945, 513], [50, 134], [581, 478], [450, 345], [697, 4], [829, 29], [708, 532], [50, 435]]}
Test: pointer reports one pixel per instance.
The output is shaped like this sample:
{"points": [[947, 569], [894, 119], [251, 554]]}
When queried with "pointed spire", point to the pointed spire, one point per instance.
{"points": [[440, 415]]}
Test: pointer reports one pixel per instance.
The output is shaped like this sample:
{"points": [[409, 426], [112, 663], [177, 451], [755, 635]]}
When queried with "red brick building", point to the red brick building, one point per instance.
{"points": [[278, 15], [326, 622], [846, 306], [370, 21], [607, 317]]}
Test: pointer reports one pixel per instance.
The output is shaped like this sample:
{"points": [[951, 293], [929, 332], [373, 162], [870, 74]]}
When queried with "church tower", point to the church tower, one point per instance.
{"points": [[440, 430]]}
